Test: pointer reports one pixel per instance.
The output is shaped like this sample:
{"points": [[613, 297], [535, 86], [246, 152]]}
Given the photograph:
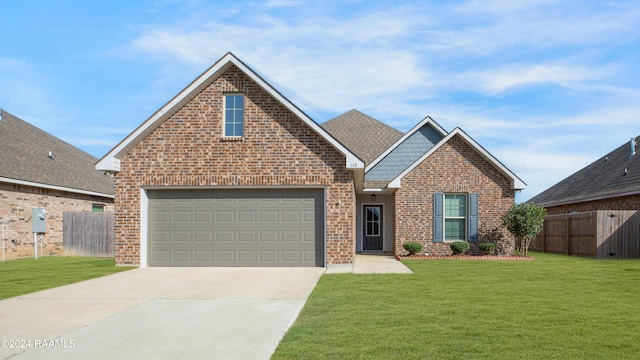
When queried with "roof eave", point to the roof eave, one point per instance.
{"points": [[55, 187], [593, 198]]}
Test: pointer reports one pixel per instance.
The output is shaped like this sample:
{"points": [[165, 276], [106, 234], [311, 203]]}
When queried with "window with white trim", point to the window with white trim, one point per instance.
{"points": [[233, 115], [455, 217]]}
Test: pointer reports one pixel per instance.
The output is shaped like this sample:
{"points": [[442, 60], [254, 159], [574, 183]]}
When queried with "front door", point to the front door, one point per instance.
{"points": [[372, 232]]}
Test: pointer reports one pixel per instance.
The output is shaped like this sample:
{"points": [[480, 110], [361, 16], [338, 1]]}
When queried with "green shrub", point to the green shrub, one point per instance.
{"points": [[459, 247], [487, 248], [412, 247]]}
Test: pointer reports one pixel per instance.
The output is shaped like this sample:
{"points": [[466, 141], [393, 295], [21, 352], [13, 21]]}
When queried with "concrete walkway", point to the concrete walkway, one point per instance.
{"points": [[159, 313], [372, 264]]}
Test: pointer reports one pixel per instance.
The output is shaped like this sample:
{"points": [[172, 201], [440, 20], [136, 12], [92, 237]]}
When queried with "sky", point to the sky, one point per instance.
{"points": [[547, 87]]}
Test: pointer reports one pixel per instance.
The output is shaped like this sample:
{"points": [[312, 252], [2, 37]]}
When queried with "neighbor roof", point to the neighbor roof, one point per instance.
{"points": [[615, 174], [111, 161], [362, 134], [25, 151]]}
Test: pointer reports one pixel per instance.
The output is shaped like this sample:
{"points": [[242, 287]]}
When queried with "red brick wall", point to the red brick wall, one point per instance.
{"points": [[631, 202], [16, 202], [454, 168], [277, 149]]}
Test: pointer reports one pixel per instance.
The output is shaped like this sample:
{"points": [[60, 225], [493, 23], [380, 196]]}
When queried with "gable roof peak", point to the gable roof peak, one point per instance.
{"points": [[516, 182], [426, 121], [111, 161]]}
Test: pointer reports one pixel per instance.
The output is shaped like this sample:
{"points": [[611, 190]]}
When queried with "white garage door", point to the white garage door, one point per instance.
{"points": [[244, 227]]}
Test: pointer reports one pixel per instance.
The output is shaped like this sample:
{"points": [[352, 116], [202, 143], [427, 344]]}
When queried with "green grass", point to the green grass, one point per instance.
{"points": [[23, 276], [554, 307]]}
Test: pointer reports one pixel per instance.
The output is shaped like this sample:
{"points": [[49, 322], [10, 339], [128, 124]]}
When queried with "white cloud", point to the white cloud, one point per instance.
{"points": [[404, 62], [505, 78], [485, 28], [282, 3]]}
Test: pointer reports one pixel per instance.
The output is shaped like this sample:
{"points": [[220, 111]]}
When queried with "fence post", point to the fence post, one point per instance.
{"points": [[568, 229], [597, 215], [544, 235]]}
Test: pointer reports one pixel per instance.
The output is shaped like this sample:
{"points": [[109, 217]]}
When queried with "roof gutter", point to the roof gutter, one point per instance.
{"points": [[595, 198], [54, 187]]}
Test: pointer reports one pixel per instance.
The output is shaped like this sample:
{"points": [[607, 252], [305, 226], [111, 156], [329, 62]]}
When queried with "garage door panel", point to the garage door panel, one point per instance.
{"points": [[247, 256], [204, 236], [181, 236], [283, 227], [224, 237], [290, 256], [246, 236], [204, 256], [290, 236], [181, 256], [268, 236], [203, 216], [160, 256], [290, 216], [309, 255], [160, 216], [181, 217], [309, 216], [225, 256], [246, 216], [161, 236], [224, 216], [269, 256]]}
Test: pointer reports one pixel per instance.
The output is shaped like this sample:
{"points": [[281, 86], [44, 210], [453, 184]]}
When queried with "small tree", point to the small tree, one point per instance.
{"points": [[524, 221]]}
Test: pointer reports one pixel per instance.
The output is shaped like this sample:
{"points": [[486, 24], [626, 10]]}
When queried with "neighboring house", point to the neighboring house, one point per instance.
{"points": [[610, 183], [38, 170], [231, 173]]}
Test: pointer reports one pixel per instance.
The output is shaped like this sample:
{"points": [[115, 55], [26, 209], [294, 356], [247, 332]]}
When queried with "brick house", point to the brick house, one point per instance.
{"points": [[38, 170], [612, 182], [231, 173]]}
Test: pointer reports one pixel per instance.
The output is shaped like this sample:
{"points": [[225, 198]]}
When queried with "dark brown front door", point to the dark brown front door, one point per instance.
{"points": [[372, 232]]}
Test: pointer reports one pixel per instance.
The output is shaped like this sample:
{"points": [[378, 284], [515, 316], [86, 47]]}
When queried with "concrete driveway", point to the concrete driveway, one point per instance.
{"points": [[159, 313]]}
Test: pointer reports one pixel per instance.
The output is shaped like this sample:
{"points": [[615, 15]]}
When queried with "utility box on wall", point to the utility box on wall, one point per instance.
{"points": [[39, 220]]}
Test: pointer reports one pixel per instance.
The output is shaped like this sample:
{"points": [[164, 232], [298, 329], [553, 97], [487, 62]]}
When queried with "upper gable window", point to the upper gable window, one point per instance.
{"points": [[233, 115]]}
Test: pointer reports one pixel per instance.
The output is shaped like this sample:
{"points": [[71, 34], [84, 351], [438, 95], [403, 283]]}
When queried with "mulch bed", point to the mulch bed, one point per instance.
{"points": [[465, 257]]}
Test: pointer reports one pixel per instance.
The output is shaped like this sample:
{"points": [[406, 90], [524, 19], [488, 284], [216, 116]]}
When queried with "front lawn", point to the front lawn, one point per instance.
{"points": [[554, 307], [23, 276]]}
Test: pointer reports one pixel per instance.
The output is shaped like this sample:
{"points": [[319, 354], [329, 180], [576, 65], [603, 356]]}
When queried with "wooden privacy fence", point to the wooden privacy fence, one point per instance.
{"points": [[87, 234], [602, 234]]}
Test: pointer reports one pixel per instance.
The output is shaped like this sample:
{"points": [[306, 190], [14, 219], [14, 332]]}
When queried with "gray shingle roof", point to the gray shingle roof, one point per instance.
{"points": [[601, 179], [24, 156], [363, 135]]}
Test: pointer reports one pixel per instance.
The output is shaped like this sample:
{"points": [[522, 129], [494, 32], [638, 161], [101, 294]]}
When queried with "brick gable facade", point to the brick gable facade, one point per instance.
{"points": [[453, 168], [277, 150]]}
